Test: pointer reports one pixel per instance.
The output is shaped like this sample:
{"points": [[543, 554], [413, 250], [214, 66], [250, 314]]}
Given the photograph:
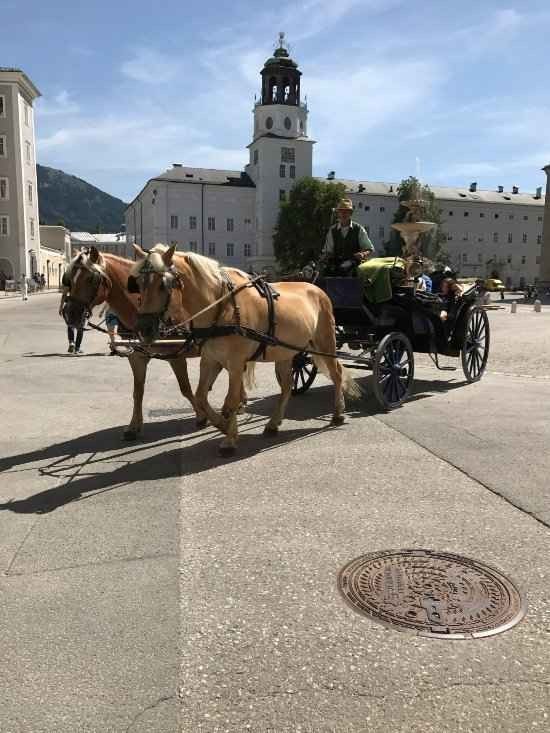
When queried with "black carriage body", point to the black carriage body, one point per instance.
{"points": [[417, 315]]}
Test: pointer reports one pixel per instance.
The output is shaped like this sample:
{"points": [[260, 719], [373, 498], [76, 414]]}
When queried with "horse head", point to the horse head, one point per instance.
{"points": [[88, 284]]}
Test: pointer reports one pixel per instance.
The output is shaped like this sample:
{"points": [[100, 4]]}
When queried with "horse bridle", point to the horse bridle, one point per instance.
{"points": [[97, 279], [170, 280]]}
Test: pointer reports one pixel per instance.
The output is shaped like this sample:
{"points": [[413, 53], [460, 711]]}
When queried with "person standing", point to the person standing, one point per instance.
{"points": [[74, 344], [24, 287], [346, 240]]}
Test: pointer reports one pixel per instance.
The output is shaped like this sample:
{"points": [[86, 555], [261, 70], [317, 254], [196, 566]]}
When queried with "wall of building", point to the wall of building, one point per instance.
{"points": [[52, 266], [9, 163]]}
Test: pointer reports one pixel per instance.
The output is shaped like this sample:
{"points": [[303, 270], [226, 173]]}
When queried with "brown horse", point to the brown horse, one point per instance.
{"points": [[95, 278], [177, 287]]}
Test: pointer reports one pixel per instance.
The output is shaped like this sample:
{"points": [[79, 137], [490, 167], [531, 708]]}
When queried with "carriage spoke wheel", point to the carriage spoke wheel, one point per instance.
{"points": [[393, 370], [475, 350], [304, 372]]}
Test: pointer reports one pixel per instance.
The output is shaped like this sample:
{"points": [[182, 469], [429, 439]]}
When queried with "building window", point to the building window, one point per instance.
{"points": [[248, 224], [481, 215], [539, 238], [28, 151], [509, 260], [450, 213], [523, 260], [256, 156], [525, 218], [465, 237], [495, 237], [538, 260], [449, 237], [287, 155], [496, 216], [292, 172], [382, 208], [466, 213], [481, 239], [230, 225], [381, 233], [282, 171], [282, 194], [29, 192], [230, 249], [524, 238], [248, 250], [32, 228], [509, 238], [539, 218], [211, 223], [3, 147], [511, 216], [367, 208], [212, 248], [193, 247], [4, 226], [4, 189], [192, 222], [26, 113], [2, 105], [464, 257], [479, 258], [173, 222]]}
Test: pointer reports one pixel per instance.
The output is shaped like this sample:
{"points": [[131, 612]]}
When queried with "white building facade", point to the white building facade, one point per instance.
{"points": [[19, 223], [231, 215]]}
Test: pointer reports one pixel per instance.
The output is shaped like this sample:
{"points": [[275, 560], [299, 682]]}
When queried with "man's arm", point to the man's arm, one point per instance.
{"points": [[364, 241], [64, 294]]}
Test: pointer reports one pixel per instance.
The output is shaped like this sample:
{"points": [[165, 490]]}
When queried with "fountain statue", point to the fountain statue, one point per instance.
{"points": [[410, 230]]}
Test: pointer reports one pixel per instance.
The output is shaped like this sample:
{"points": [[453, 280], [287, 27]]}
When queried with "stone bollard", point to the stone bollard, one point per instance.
{"points": [[513, 307], [537, 306]]}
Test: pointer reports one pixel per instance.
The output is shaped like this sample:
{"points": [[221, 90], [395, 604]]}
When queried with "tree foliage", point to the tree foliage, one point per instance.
{"points": [[432, 243], [304, 221]]}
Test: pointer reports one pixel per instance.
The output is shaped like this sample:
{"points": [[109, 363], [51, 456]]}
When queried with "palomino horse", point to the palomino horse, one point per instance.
{"points": [[178, 287], [94, 278]]}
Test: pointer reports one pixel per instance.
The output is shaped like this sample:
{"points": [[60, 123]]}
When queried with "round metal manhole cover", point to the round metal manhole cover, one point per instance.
{"points": [[432, 593]]}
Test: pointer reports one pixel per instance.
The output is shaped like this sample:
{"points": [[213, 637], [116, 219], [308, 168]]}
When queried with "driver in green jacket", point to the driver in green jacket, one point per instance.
{"points": [[346, 241]]}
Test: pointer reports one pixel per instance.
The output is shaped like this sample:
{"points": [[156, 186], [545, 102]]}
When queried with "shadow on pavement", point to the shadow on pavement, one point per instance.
{"points": [[88, 479]]}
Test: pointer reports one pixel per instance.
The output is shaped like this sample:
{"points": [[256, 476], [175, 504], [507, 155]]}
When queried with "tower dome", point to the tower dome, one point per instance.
{"points": [[281, 78]]}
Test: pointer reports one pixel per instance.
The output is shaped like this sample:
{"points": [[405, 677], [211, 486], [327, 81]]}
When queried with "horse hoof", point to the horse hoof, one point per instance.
{"points": [[271, 429], [201, 423], [130, 435], [241, 410], [338, 420], [227, 451]]}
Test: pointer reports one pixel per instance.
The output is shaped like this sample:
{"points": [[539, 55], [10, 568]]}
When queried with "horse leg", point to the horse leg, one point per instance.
{"points": [[283, 372], [230, 409], [179, 367], [138, 364], [209, 370]]}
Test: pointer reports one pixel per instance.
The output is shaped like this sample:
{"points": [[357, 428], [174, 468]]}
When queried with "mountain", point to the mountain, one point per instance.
{"points": [[81, 207]]}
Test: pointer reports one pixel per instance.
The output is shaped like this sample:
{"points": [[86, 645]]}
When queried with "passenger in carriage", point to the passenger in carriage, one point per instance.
{"points": [[346, 241], [450, 293]]}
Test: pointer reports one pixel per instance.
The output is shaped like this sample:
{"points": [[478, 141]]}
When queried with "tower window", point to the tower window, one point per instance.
{"points": [[26, 114], [32, 228], [173, 222], [524, 238], [211, 223], [288, 155], [29, 192], [288, 123], [230, 249], [2, 105], [28, 150], [212, 249], [230, 225], [3, 147], [269, 123], [282, 170], [4, 189], [192, 222], [248, 250], [256, 157], [282, 194], [4, 226], [523, 260]]}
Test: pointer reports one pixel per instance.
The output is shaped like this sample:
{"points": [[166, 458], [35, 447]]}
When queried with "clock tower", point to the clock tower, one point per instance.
{"points": [[280, 152]]}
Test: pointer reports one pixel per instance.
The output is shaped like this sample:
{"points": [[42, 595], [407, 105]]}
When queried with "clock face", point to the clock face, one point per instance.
{"points": [[288, 123], [269, 123]]}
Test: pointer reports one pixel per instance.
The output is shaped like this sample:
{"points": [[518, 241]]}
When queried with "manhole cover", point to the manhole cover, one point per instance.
{"points": [[433, 593]]}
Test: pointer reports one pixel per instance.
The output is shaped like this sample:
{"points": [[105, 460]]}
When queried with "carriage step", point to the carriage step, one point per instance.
{"points": [[447, 368]]}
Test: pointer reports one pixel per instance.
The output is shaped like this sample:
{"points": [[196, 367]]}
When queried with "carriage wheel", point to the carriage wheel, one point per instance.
{"points": [[475, 351], [393, 370], [304, 372]]}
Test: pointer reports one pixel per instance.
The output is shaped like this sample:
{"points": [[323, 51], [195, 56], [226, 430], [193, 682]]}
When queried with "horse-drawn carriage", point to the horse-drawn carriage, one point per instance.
{"points": [[387, 334]]}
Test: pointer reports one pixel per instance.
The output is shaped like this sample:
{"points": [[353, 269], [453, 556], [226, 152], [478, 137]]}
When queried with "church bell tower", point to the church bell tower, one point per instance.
{"points": [[280, 152]]}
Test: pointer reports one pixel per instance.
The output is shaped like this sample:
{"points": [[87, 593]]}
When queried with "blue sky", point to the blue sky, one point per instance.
{"points": [[458, 91]]}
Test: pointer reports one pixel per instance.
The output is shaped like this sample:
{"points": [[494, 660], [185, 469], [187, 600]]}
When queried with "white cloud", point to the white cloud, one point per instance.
{"points": [[61, 104], [152, 67]]}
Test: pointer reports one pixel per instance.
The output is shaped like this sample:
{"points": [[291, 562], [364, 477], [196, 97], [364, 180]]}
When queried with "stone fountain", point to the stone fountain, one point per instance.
{"points": [[410, 230]]}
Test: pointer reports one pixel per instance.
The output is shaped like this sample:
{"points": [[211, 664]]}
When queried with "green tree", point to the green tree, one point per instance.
{"points": [[432, 243], [304, 221]]}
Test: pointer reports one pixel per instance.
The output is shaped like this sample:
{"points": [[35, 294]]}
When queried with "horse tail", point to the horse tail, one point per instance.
{"points": [[349, 386], [249, 376]]}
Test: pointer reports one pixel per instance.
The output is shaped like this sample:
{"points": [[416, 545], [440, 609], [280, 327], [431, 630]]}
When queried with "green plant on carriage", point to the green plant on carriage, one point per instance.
{"points": [[304, 221], [432, 243]]}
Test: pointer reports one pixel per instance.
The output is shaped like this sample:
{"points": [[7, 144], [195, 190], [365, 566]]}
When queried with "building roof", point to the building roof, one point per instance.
{"points": [[445, 193], [27, 84], [88, 238]]}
